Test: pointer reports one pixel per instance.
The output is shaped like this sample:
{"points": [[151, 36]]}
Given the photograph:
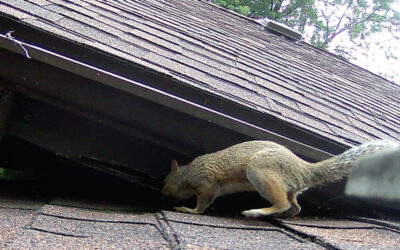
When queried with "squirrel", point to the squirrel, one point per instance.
{"points": [[271, 169]]}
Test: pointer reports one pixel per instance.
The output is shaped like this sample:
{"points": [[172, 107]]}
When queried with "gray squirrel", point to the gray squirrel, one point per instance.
{"points": [[271, 169]]}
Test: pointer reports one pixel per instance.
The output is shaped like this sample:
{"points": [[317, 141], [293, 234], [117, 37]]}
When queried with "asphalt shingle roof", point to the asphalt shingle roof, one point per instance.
{"points": [[345, 234], [220, 52], [25, 225]]}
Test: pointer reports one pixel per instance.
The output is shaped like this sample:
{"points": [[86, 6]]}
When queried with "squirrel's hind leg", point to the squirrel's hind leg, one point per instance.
{"points": [[271, 187], [294, 207]]}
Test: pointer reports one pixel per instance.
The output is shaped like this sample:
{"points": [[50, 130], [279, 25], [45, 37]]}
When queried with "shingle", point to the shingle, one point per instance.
{"points": [[12, 221], [368, 129], [80, 2], [168, 24], [331, 107], [59, 9], [106, 13], [300, 118], [155, 40], [40, 2], [98, 35], [216, 72], [340, 132], [206, 60], [103, 6], [150, 29], [175, 66], [280, 87], [71, 212], [278, 98], [33, 9], [75, 7], [15, 13], [165, 52], [61, 32], [389, 127], [204, 50], [15, 215], [95, 24], [344, 234], [243, 74], [130, 57], [199, 232], [47, 232]]}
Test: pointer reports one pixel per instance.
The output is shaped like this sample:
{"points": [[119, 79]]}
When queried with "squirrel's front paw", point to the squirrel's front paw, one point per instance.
{"points": [[185, 210]]}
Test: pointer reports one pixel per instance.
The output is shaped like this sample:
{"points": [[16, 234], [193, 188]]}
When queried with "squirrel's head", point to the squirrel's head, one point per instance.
{"points": [[173, 183]]}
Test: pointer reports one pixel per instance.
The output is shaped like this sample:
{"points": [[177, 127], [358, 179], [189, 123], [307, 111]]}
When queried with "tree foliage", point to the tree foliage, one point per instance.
{"points": [[322, 21]]}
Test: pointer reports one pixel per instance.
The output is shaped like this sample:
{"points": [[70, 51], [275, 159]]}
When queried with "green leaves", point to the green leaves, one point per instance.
{"points": [[323, 20], [348, 28], [235, 5], [244, 10]]}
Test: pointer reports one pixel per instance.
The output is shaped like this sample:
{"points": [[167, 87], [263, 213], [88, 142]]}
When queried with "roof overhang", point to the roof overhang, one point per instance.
{"points": [[31, 52], [171, 115]]}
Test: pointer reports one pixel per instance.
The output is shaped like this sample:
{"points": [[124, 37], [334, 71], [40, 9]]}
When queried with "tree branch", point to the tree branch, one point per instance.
{"points": [[347, 27], [291, 8], [343, 15], [277, 7], [326, 36]]}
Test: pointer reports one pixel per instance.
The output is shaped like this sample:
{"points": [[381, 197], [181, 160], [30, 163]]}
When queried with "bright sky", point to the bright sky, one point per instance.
{"points": [[374, 59]]}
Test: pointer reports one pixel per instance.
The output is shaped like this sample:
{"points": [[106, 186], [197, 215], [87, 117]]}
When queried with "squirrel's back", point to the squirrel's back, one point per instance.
{"points": [[229, 164], [236, 155]]}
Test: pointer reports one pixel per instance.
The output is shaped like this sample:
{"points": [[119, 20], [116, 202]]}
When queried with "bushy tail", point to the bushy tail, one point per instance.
{"points": [[337, 167]]}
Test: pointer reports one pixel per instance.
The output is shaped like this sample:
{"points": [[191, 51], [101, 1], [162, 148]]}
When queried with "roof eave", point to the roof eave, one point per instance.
{"points": [[32, 52]]}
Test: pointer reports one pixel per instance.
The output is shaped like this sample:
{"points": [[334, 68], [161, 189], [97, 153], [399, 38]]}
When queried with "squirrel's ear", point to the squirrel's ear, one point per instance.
{"points": [[174, 166]]}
